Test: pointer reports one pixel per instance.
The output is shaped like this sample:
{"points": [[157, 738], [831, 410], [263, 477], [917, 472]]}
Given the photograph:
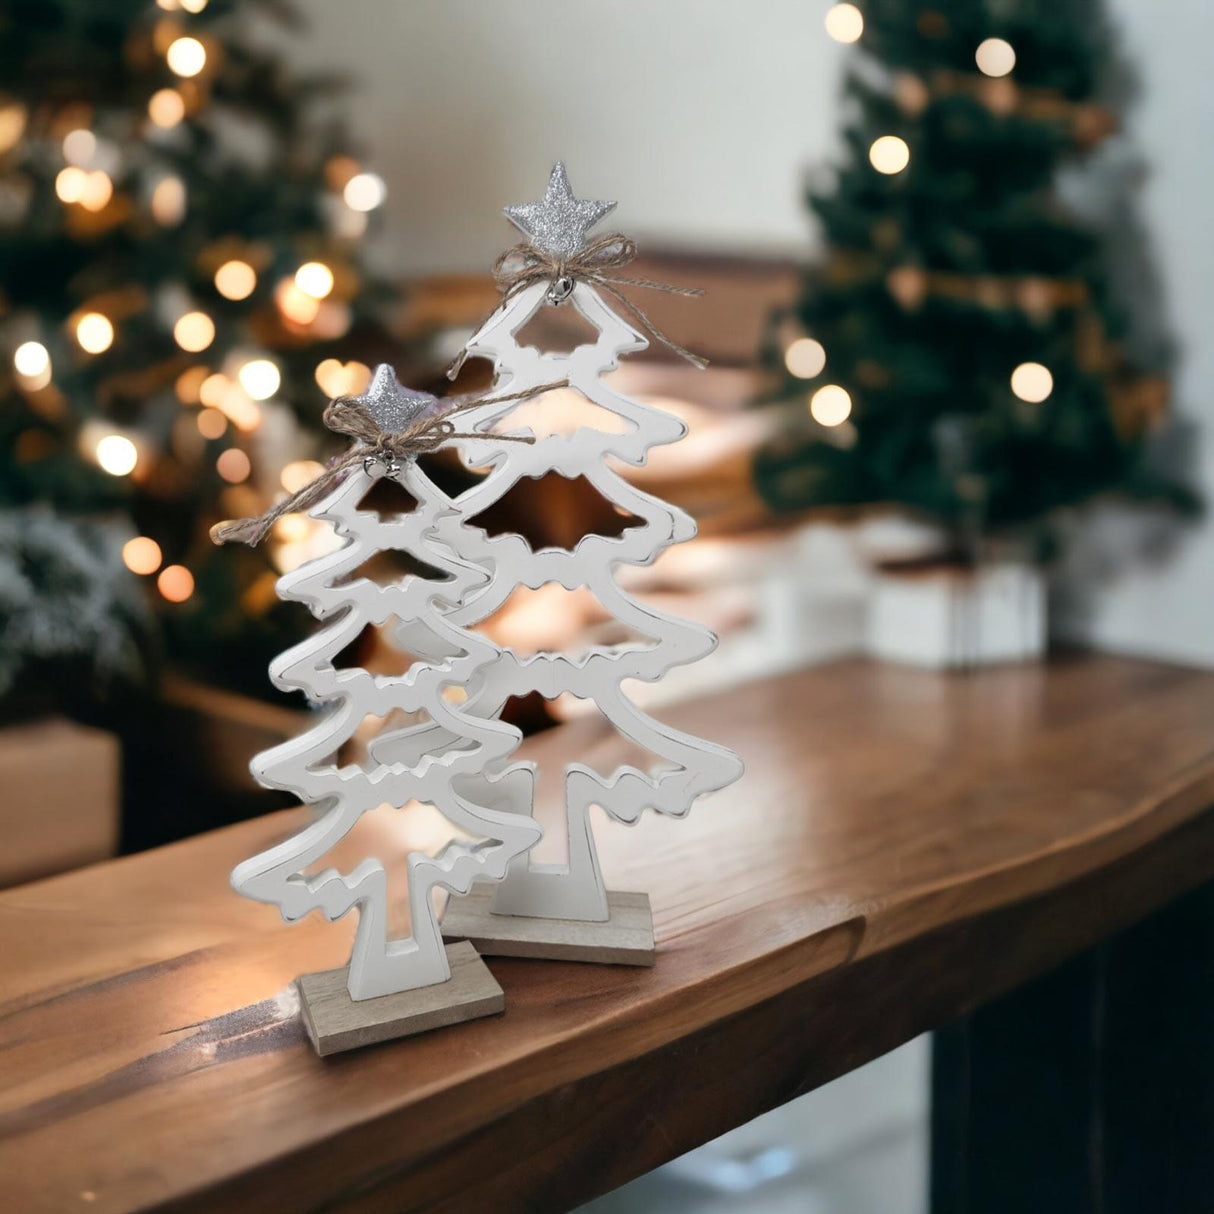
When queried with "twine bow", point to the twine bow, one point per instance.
{"points": [[372, 445], [524, 265]]}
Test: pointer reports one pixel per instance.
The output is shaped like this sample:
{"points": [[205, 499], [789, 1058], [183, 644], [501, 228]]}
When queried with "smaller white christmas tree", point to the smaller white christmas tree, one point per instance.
{"points": [[437, 761]]}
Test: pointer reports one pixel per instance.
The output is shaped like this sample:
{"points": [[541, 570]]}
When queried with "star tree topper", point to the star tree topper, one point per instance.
{"points": [[559, 222], [394, 407]]}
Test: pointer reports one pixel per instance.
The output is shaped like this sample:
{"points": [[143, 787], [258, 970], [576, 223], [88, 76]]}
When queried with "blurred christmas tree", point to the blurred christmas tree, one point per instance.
{"points": [[964, 347], [179, 229]]}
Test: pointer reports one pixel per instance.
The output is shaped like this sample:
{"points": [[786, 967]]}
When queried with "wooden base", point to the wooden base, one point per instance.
{"points": [[626, 938], [335, 1022]]}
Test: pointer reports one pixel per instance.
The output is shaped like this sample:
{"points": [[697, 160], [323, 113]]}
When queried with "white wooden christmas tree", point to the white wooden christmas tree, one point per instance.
{"points": [[439, 760], [565, 910]]}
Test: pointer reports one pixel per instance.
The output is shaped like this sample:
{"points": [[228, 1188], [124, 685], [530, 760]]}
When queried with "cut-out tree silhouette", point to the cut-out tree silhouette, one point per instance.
{"points": [[429, 760], [687, 766]]}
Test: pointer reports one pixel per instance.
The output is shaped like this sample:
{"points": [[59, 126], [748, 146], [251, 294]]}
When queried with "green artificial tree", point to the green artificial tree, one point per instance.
{"points": [[181, 292], [963, 349]]}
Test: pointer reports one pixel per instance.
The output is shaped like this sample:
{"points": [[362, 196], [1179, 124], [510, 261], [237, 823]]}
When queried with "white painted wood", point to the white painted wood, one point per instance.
{"points": [[685, 767], [427, 762]]}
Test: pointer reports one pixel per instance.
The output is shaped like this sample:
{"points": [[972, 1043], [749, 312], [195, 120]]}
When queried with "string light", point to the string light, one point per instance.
{"points": [[194, 332], [186, 56], [211, 423], [364, 192], [94, 333], [805, 358], [260, 378], [830, 405], [117, 455], [79, 146], [292, 528], [1032, 382], [995, 57], [235, 280], [31, 360], [189, 384], [845, 23], [889, 154], [233, 465], [168, 201], [296, 306], [299, 473], [166, 108], [314, 278], [141, 555], [337, 379], [175, 583], [98, 190], [12, 124], [70, 183]]}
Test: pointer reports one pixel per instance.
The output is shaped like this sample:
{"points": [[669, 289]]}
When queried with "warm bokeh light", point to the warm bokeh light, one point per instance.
{"points": [[94, 333], [13, 117], [845, 23], [189, 384], [141, 555], [193, 6], [176, 583], [335, 378], [314, 278], [260, 378], [235, 280], [168, 201], [364, 192], [1032, 382], [233, 465], [211, 423], [805, 358], [70, 183], [97, 192], [186, 56], [194, 331], [889, 154], [166, 108], [213, 389], [295, 305], [995, 57], [292, 528], [830, 405], [117, 455], [79, 146], [299, 473], [31, 360]]}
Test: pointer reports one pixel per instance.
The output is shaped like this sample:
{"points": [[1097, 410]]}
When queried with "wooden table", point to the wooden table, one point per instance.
{"points": [[904, 846]]}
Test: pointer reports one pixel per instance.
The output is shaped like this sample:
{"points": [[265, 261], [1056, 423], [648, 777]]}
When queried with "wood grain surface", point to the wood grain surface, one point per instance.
{"points": [[904, 845]]}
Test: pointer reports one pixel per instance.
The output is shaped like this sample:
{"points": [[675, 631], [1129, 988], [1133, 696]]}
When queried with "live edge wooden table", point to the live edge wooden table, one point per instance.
{"points": [[904, 846]]}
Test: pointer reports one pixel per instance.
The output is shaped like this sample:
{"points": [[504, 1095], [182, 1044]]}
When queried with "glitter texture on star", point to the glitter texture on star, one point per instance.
{"points": [[394, 408], [559, 222]]}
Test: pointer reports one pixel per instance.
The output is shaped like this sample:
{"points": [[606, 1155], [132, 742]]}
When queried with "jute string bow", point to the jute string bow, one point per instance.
{"points": [[372, 445], [524, 265]]}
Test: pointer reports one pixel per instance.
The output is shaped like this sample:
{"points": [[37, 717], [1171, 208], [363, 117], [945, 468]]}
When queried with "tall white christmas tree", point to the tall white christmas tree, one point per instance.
{"points": [[686, 766], [441, 760]]}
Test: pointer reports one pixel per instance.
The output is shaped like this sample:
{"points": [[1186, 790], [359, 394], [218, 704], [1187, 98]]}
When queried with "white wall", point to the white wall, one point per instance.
{"points": [[1165, 607], [700, 117], [697, 116]]}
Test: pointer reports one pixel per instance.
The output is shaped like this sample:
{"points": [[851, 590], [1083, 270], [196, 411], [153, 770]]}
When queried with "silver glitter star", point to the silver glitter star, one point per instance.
{"points": [[559, 223], [395, 408]]}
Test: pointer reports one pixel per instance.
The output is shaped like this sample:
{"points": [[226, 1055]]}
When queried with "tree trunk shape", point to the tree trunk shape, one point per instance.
{"points": [[687, 766], [461, 745]]}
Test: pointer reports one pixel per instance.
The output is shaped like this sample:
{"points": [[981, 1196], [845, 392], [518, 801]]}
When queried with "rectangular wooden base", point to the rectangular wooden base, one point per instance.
{"points": [[626, 938], [335, 1022]]}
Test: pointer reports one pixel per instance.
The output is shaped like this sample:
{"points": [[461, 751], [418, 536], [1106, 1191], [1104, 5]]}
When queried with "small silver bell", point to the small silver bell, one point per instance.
{"points": [[560, 290]]}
